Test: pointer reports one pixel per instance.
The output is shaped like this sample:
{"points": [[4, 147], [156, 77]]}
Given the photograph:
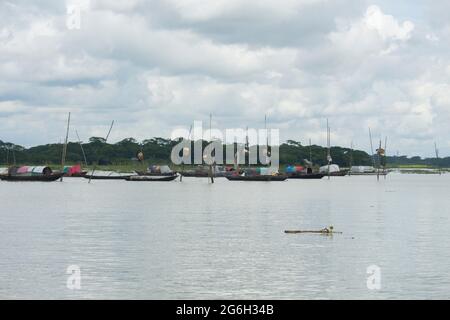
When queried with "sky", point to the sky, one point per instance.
{"points": [[155, 66]]}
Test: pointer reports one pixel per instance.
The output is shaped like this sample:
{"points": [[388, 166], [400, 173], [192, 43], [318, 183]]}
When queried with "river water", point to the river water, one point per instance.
{"points": [[196, 240]]}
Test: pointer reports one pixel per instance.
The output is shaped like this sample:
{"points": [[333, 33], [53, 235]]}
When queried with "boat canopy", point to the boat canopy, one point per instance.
{"points": [[159, 169], [333, 168], [293, 169], [261, 171], [30, 170], [165, 169], [100, 173], [362, 169], [72, 169]]}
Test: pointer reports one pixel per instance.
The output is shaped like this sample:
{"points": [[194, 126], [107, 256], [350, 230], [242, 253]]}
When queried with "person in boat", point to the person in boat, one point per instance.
{"points": [[327, 230]]}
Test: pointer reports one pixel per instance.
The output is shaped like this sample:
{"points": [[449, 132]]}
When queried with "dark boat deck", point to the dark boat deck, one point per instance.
{"points": [[256, 178], [152, 178], [106, 177], [35, 178], [155, 174], [306, 176]]}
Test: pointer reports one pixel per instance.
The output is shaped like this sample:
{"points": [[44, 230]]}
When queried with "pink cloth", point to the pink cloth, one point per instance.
{"points": [[23, 169], [75, 169]]}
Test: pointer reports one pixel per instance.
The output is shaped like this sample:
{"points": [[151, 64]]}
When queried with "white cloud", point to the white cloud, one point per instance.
{"points": [[386, 25], [156, 65]]}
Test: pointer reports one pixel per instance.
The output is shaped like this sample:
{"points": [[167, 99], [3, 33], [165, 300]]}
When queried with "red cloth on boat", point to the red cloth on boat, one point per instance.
{"points": [[75, 169]]}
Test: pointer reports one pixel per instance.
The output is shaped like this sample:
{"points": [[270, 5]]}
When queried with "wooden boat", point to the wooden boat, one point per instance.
{"points": [[341, 173], [312, 231], [197, 174], [257, 178], [76, 175], [328, 231], [152, 178], [95, 177], [381, 173], [30, 174], [32, 178], [154, 174], [303, 175]]}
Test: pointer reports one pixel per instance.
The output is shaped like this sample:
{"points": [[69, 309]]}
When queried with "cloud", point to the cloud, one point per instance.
{"points": [[157, 65]]}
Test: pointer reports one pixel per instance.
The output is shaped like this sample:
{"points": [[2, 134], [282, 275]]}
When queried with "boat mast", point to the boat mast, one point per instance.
{"points": [[310, 151], [328, 149], [82, 149], [14, 154], [106, 139], [211, 173], [267, 139], [110, 128], [247, 148], [385, 157], [379, 161], [63, 160], [436, 150], [351, 159], [371, 148]]}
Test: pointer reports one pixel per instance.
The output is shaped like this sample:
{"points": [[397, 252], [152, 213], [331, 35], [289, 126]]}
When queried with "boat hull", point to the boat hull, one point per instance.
{"points": [[152, 178], [152, 174], [76, 175], [341, 173], [195, 174], [37, 178], [256, 178], [368, 173], [106, 177], [307, 176]]}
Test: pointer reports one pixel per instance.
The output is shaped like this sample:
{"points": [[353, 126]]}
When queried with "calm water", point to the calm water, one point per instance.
{"points": [[226, 241]]}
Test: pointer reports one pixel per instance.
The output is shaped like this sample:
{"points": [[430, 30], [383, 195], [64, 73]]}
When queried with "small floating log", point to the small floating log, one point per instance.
{"points": [[327, 231]]}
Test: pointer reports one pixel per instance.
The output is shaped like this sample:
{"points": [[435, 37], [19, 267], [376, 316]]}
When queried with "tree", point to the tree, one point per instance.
{"points": [[97, 140]]}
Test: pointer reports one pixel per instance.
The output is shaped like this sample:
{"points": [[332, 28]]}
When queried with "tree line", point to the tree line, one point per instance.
{"points": [[158, 150]]}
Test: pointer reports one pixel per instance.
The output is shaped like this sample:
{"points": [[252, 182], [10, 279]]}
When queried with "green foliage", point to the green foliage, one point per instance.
{"points": [[157, 151]]}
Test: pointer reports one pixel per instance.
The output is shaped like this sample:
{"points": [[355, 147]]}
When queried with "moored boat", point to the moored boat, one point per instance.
{"points": [[381, 173], [340, 173], [156, 170], [305, 175], [108, 175], [197, 173], [257, 178], [299, 172], [43, 178], [74, 171], [204, 172], [334, 170], [367, 171], [152, 178], [98, 177], [154, 174], [31, 174]]}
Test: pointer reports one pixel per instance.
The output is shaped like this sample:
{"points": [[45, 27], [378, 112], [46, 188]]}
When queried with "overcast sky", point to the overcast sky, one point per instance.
{"points": [[154, 66]]}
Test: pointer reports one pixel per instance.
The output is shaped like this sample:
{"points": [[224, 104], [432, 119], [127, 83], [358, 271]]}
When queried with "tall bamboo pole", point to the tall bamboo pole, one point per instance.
{"points": [[436, 150], [106, 139], [211, 173], [63, 160], [82, 149]]}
